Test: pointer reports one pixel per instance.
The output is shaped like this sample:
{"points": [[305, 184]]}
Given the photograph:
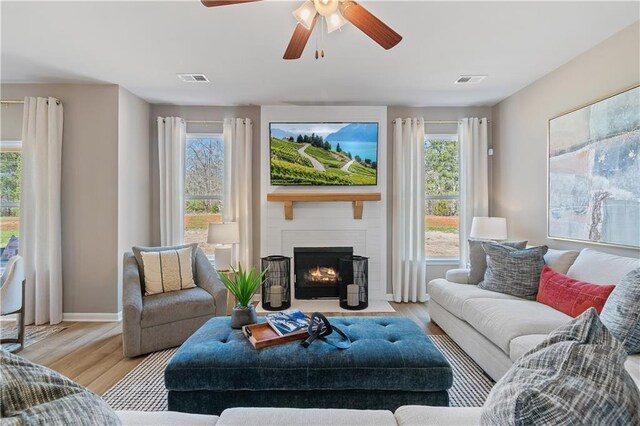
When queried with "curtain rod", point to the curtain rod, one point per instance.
{"points": [[204, 122], [11, 102], [438, 121]]}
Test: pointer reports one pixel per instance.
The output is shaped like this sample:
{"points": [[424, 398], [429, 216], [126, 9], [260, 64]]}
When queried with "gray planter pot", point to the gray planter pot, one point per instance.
{"points": [[241, 316]]}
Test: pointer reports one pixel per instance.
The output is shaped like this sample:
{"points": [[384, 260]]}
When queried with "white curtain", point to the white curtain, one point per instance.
{"points": [[172, 137], [40, 214], [474, 177], [408, 257], [238, 137]]}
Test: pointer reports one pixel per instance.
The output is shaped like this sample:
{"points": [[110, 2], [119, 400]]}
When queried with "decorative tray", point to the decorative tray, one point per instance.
{"points": [[262, 335]]}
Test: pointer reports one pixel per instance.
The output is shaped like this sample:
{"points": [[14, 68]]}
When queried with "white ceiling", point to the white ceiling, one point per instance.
{"points": [[142, 45]]}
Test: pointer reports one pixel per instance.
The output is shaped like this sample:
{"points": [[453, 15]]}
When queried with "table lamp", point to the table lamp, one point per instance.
{"points": [[489, 228], [223, 235]]}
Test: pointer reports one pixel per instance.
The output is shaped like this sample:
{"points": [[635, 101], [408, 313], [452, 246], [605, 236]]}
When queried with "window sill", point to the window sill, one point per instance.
{"points": [[445, 261]]}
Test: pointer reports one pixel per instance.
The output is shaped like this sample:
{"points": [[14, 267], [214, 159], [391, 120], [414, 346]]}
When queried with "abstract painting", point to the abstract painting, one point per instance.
{"points": [[594, 172]]}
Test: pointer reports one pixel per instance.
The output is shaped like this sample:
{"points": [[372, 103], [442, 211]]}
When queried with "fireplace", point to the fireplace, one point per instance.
{"points": [[317, 271]]}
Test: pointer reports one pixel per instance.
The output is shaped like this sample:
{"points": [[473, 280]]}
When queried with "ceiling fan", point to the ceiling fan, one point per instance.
{"points": [[336, 13]]}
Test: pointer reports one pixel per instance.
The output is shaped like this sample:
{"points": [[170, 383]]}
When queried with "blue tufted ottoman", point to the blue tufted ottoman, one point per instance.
{"points": [[391, 363]]}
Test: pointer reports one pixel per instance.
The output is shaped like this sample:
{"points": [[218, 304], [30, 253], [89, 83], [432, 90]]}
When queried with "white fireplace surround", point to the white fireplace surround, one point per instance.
{"points": [[327, 224]]}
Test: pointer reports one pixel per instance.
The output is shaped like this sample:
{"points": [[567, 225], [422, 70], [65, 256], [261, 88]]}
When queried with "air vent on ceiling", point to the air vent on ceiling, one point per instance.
{"points": [[470, 79], [193, 78]]}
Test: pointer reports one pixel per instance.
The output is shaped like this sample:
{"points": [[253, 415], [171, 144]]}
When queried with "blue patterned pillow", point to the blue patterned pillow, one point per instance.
{"points": [[621, 312], [574, 377], [512, 271], [11, 249]]}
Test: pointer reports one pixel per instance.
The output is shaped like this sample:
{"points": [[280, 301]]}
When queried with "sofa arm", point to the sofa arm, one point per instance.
{"points": [[459, 276], [131, 306], [207, 278]]}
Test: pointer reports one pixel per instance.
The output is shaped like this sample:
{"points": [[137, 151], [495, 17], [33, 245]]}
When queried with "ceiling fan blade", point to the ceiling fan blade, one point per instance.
{"points": [[299, 40], [214, 3], [366, 22]]}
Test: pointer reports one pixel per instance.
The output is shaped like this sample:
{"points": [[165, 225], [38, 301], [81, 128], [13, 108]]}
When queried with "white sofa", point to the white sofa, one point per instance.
{"points": [[495, 329], [404, 416]]}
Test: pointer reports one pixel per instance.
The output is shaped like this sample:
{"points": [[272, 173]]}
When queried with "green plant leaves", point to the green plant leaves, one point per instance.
{"points": [[244, 284]]}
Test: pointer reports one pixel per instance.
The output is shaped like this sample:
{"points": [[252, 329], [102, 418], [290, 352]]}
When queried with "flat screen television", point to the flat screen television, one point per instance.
{"points": [[324, 154]]}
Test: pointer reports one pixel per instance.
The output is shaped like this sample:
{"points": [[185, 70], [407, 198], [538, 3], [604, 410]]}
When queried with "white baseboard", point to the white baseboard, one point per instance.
{"points": [[91, 317]]}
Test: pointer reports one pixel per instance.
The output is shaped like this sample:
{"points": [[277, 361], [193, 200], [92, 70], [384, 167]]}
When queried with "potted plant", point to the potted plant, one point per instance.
{"points": [[243, 286]]}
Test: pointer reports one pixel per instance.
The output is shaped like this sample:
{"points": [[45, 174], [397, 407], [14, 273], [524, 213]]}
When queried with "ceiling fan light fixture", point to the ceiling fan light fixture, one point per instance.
{"points": [[305, 14], [326, 7], [335, 21]]}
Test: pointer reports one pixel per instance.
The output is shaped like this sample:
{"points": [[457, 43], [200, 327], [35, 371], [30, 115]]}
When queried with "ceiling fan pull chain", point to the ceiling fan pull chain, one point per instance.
{"points": [[322, 38], [317, 55]]}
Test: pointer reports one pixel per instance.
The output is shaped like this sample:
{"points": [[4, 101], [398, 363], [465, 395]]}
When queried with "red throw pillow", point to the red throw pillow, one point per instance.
{"points": [[570, 296]]}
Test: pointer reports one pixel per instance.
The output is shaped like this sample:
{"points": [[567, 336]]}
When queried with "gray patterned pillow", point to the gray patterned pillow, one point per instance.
{"points": [[512, 271], [35, 395], [574, 377], [621, 312], [478, 258]]}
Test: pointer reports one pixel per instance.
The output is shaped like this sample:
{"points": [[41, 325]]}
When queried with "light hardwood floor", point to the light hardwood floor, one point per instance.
{"points": [[90, 353]]}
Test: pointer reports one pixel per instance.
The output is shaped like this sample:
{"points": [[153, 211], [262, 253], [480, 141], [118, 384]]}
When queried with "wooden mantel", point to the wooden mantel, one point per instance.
{"points": [[357, 199]]}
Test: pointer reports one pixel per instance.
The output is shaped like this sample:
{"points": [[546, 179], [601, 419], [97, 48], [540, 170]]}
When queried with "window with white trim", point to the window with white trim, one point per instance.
{"points": [[442, 197], [203, 186], [10, 187]]}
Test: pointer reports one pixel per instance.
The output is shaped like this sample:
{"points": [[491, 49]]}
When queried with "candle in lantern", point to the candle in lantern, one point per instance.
{"points": [[352, 295], [276, 296]]}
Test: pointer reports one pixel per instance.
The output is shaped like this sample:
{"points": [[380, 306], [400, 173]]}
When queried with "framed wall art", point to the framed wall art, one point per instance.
{"points": [[594, 172]]}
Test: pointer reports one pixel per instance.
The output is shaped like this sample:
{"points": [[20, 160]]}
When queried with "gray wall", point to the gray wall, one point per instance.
{"points": [[520, 132], [134, 195], [204, 113], [89, 188], [429, 114]]}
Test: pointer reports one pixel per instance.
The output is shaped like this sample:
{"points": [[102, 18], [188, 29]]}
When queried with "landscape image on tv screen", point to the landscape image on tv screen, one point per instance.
{"points": [[324, 153]]}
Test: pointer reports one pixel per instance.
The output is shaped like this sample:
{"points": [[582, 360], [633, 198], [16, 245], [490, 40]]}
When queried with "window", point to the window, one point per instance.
{"points": [[442, 197], [10, 176], [203, 184]]}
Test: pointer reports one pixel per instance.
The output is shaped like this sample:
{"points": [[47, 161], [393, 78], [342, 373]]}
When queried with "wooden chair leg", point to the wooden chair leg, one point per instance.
{"points": [[21, 327]]}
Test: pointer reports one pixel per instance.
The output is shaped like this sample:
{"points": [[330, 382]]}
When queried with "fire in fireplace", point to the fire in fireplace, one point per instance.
{"points": [[317, 271], [322, 275]]}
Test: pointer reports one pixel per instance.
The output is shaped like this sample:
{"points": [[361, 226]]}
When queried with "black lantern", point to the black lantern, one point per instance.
{"points": [[354, 282], [276, 284]]}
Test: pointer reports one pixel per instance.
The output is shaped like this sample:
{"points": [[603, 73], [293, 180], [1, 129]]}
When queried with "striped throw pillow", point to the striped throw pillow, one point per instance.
{"points": [[167, 270]]}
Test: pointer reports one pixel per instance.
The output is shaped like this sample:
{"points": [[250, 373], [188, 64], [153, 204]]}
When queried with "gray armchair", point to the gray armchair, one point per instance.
{"points": [[161, 321]]}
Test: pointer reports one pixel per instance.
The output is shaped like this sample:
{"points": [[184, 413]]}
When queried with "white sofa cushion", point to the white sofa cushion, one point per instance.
{"points": [[418, 415], [307, 417], [503, 320], [521, 344], [164, 418], [560, 260], [596, 267], [452, 296], [632, 365]]}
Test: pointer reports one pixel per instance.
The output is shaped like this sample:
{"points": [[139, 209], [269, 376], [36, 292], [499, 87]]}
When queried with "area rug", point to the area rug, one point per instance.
{"points": [[471, 385], [33, 334], [142, 389], [333, 307]]}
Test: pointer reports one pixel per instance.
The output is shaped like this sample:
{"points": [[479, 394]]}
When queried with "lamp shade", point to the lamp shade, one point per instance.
{"points": [[223, 233], [335, 21], [489, 228], [305, 14]]}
